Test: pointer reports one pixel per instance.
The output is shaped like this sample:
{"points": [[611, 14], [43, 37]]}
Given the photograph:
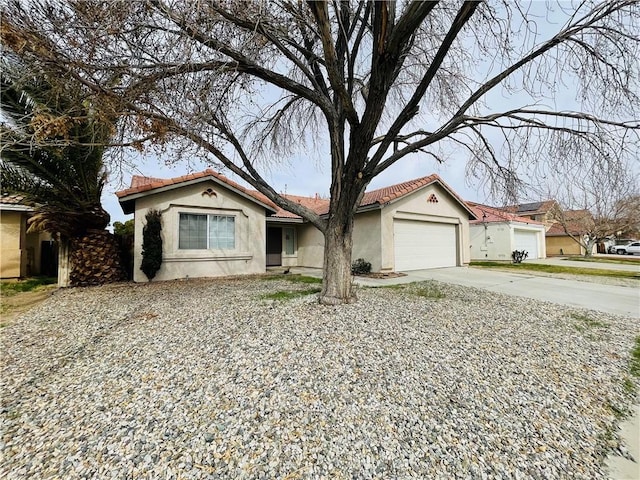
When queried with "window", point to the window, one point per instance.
{"points": [[202, 232], [289, 241]]}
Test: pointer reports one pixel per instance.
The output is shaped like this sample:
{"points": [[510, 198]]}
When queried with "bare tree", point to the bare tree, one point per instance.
{"points": [[247, 82], [597, 204]]}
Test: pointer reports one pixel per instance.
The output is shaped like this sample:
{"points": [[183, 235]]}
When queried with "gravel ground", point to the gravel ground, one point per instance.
{"points": [[207, 379]]}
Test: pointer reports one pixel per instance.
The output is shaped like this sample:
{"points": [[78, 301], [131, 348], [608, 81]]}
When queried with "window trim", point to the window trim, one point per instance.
{"points": [[208, 240]]}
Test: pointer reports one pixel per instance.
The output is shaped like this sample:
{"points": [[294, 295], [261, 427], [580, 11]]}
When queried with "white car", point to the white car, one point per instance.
{"points": [[630, 249]]}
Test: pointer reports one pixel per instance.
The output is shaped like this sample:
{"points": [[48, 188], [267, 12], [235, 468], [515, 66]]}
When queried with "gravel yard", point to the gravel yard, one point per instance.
{"points": [[208, 379]]}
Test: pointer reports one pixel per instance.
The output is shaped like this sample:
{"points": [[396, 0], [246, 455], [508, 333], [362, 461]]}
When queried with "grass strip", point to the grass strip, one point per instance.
{"points": [[618, 261], [289, 294], [295, 278], [539, 267], [28, 285]]}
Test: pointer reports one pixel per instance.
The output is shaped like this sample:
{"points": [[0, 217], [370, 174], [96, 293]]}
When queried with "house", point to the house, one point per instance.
{"points": [[213, 226], [539, 211], [23, 254], [496, 234], [557, 240]]}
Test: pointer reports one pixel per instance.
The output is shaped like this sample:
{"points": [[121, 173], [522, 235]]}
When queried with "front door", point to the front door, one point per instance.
{"points": [[274, 246]]}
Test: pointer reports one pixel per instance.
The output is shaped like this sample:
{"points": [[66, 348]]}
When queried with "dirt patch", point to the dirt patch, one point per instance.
{"points": [[14, 305]]}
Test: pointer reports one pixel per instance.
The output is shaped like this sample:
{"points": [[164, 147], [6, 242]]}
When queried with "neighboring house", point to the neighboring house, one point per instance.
{"points": [[539, 211], [213, 227], [496, 234], [23, 254], [557, 240]]}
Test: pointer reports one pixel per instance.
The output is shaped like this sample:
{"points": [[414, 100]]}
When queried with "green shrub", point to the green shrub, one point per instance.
{"points": [[152, 244], [360, 267]]}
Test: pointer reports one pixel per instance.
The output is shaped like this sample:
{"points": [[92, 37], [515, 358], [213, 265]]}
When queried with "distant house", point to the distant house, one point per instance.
{"points": [[23, 254], [496, 234], [213, 227], [558, 241]]}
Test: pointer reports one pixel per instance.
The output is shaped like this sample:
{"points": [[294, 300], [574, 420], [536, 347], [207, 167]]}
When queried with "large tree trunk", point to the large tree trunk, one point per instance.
{"points": [[95, 259], [338, 242]]}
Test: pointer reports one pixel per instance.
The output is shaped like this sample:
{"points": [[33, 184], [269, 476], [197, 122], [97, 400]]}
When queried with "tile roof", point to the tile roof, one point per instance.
{"points": [[12, 199], [488, 214], [381, 196], [140, 184], [577, 222], [316, 204]]}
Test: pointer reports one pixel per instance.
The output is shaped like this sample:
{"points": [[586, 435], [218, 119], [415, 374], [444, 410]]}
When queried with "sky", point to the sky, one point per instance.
{"points": [[304, 174]]}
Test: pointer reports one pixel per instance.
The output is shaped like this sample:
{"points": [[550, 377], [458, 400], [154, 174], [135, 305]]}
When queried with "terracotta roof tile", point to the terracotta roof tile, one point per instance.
{"points": [[144, 184], [12, 199], [319, 205], [577, 221], [488, 214]]}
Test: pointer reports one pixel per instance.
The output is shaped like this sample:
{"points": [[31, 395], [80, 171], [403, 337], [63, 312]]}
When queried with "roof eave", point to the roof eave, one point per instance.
{"points": [[12, 207], [129, 200]]}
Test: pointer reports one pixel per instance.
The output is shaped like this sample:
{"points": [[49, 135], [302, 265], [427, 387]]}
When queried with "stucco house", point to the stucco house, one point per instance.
{"points": [[213, 226], [496, 234], [23, 254], [557, 241]]}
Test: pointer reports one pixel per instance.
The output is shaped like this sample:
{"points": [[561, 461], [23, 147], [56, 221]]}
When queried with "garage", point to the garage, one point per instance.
{"points": [[419, 245], [528, 241]]}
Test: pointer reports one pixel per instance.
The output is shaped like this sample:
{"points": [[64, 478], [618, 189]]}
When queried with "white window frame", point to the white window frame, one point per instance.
{"points": [[209, 217], [294, 241]]}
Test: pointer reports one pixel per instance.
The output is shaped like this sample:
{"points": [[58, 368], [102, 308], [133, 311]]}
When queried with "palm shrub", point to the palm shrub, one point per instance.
{"points": [[53, 142], [152, 244]]}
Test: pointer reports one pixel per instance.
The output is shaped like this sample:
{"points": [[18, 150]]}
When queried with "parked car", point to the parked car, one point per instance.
{"points": [[629, 249]]}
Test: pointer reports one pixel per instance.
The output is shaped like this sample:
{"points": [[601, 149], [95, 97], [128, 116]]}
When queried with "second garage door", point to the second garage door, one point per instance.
{"points": [[527, 241], [419, 245]]}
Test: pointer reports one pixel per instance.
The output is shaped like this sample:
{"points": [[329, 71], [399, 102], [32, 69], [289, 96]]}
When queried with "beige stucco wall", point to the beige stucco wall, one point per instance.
{"points": [[310, 246], [248, 256], [367, 235], [568, 246], [12, 243], [417, 207], [366, 242]]}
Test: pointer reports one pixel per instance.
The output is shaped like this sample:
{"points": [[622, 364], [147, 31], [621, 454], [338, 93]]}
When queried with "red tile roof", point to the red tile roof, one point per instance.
{"points": [[319, 205], [488, 214], [577, 222], [13, 199], [145, 184], [315, 204]]}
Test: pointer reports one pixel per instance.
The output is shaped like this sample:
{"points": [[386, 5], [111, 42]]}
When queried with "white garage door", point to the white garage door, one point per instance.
{"points": [[527, 241], [419, 245]]}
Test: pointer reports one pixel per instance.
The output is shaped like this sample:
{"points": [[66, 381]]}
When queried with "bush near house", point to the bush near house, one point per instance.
{"points": [[360, 267], [519, 255], [152, 244]]}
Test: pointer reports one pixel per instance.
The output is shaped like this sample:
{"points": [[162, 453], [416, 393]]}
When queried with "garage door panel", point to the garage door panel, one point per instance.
{"points": [[420, 245], [528, 241]]}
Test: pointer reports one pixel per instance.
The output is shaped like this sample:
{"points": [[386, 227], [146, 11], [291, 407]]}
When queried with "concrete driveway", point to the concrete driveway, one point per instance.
{"points": [[606, 298]]}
